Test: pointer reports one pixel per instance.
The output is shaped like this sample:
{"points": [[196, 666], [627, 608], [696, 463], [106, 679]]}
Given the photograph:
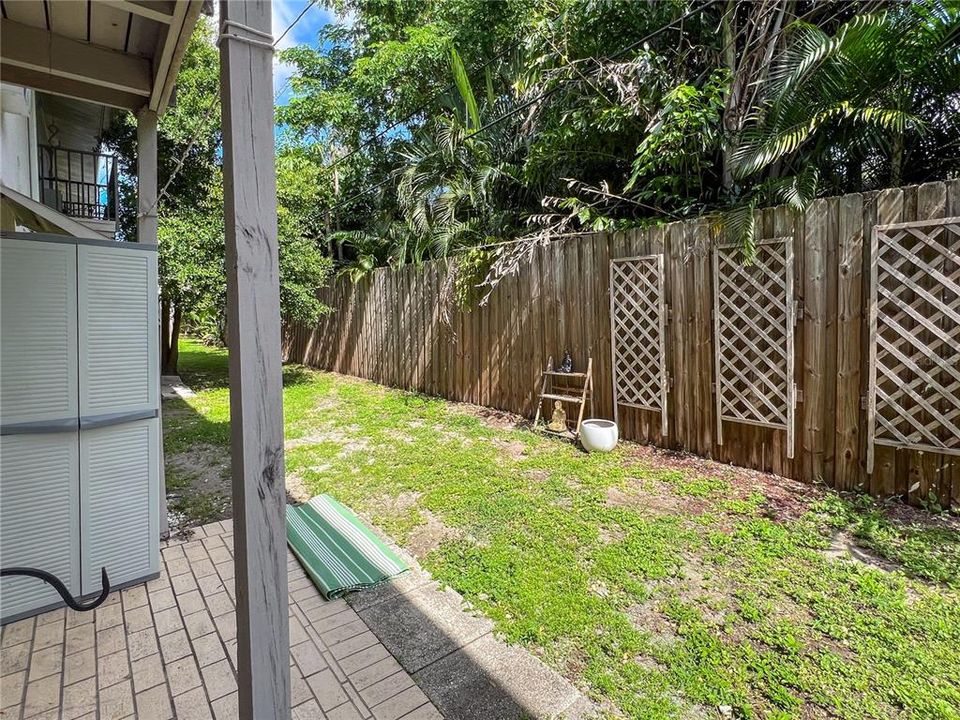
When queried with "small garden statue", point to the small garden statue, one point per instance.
{"points": [[566, 365], [558, 423]]}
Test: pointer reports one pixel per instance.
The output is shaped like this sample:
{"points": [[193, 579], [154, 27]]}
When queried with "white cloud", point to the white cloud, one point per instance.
{"points": [[284, 13], [305, 31]]}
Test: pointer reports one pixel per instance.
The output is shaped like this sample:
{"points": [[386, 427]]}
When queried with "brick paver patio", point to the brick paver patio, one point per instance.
{"points": [[167, 649]]}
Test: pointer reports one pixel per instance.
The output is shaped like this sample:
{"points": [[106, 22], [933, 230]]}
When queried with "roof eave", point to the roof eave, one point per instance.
{"points": [[37, 58]]}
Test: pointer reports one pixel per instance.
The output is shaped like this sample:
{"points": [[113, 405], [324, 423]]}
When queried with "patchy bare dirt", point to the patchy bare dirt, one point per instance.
{"points": [[429, 535], [599, 588], [655, 500], [618, 498], [610, 534], [199, 485], [903, 514], [695, 711], [491, 417], [537, 476], [844, 547], [786, 499], [451, 436], [206, 466], [391, 505], [297, 491], [710, 592], [349, 439], [648, 663], [513, 449], [645, 617]]}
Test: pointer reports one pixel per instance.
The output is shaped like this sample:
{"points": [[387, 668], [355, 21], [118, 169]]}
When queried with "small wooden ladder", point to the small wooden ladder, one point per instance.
{"points": [[564, 393]]}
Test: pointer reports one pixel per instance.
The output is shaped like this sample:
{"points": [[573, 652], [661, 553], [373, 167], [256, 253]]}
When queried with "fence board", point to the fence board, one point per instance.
{"points": [[889, 467], [814, 297], [849, 322], [389, 328], [950, 477]]}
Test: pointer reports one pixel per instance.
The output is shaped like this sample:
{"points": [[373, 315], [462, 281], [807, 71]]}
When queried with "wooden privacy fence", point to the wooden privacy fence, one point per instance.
{"points": [[837, 348]]}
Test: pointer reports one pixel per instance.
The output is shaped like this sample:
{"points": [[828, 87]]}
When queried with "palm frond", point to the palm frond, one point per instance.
{"points": [[465, 89], [738, 225]]}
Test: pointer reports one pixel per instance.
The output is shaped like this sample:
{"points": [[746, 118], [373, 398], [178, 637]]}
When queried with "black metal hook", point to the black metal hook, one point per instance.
{"points": [[57, 585]]}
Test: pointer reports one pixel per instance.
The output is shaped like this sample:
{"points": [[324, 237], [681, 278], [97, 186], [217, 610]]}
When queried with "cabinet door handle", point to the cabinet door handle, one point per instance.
{"points": [[88, 422], [41, 426]]}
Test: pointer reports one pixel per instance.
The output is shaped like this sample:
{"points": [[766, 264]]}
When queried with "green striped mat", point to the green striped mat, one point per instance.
{"points": [[336, 549]]}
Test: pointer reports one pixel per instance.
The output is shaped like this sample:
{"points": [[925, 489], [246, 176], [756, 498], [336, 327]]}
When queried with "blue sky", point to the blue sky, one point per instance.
{"points": [[305, 31]]}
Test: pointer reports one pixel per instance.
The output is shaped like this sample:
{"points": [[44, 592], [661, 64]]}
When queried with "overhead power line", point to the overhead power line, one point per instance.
{"points": [[295, 21]]}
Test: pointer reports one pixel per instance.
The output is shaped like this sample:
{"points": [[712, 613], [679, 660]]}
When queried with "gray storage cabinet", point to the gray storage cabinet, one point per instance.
{"points": [[79, 416]]}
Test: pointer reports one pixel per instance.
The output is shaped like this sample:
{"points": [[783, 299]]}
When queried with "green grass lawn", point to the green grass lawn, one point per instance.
{"points": [[664, 587]]}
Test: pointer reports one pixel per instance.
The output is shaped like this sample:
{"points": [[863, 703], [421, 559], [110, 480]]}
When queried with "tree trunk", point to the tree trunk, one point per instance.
{"points": [[748, 52], [728, 32], [854, 174], [326, 225], [896, 161], [336, 215], [164, 333], [172, 356]]}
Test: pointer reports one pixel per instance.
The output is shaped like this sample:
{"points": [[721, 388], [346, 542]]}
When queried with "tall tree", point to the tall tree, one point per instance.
{"points": [[191, 252], [602, 115], [188, 147]]}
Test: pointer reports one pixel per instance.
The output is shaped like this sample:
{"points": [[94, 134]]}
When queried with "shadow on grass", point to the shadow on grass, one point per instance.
{"points": [[196, 438], [205, 368]]}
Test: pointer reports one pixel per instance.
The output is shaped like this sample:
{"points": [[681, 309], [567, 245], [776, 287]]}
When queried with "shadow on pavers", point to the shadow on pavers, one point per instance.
{"points": [[455, 658]]}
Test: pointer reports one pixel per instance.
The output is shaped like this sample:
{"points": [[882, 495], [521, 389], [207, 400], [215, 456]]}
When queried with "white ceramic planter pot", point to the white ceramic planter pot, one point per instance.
{"points": [[599, 435]]}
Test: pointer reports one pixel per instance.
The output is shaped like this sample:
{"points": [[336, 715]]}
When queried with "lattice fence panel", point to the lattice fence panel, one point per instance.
{"points": [[754, 316], [914, 397], [638, 318]]}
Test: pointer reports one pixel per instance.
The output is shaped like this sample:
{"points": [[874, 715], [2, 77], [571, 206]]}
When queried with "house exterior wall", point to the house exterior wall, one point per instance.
{"points": [[31, 120], [18, 140]]}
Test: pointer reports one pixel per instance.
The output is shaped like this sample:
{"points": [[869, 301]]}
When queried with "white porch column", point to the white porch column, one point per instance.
{"points": [[147, 234], [146, 177], [253, 339]]}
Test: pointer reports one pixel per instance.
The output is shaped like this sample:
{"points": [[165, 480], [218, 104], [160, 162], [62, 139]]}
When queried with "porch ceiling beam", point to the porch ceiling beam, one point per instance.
{"points": [[253, 338], [169, 53], [150, 12], [62, 58], [70, 88]]}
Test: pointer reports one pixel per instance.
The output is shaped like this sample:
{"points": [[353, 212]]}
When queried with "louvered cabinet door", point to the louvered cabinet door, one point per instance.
{"points": [[119, 403], [38, 346], [38, 518], [120, 500], [39, 485], [118, 332]]}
